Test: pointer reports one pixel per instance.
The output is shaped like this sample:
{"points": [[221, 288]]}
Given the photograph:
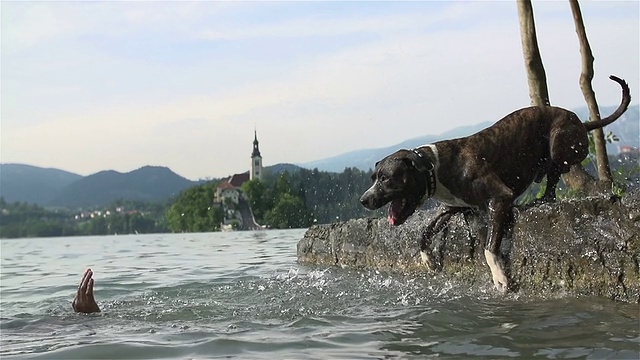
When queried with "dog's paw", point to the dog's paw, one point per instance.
{"points": [[501, 283], [500, 280], [428, 260]]}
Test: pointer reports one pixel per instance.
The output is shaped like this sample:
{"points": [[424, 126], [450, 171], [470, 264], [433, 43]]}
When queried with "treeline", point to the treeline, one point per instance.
{"points": [[18, 220], [194, 211], [27, 220], [295, 199], [278, 202], [329, 197], [284, 200]]}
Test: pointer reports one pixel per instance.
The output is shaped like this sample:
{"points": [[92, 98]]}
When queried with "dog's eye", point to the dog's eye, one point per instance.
{"points": [[382, 178]]}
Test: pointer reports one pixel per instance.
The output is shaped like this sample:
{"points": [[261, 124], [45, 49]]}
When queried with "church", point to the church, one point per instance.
{"points": [[237, 212]]}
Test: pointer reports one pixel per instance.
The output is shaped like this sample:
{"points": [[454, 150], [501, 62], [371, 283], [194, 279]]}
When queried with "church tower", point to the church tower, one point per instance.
{"points": [[256, 160]]}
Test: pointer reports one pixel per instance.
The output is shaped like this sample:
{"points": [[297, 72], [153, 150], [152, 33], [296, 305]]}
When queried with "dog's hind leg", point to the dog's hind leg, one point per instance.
{"points": [[553, 176], [436, 225], [567, 147]]}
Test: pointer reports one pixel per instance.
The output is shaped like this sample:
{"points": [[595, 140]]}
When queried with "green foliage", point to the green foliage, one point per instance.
{"points": [[289, 212], [335, 196], [303, 197], [609, 138], [260, 198], [25, 220], [194, 211], [625, 171], [278, 202]]}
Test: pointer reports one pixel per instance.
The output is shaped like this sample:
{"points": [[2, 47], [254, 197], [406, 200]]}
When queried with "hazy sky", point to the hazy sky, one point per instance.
{"points": [[90, 86]]}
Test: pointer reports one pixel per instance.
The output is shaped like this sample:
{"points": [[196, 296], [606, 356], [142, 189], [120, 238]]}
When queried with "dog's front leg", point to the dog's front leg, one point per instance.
{"points": [[498, 218], [436, 225]]}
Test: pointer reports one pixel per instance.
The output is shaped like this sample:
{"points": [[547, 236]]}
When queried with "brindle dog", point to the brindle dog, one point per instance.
{"points": [[487, 170]]}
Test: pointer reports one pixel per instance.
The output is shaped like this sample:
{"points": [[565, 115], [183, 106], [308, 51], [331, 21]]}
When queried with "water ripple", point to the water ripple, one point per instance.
{"points": [[242, 295]]}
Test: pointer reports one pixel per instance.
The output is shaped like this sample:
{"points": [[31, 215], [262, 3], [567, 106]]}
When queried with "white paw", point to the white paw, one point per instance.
{"points": [[427, 259], [500, 282], [498, 275]]}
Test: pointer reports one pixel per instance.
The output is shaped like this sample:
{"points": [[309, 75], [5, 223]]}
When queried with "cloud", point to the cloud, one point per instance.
{"points": [[122, 85]]}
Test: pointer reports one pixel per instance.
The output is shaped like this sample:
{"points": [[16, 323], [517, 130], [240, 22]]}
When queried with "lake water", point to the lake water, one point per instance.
{"points": [[243, 295]]}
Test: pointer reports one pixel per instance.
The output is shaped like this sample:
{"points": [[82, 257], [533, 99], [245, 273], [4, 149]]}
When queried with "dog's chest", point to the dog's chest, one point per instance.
{"points": [[445, 196], [442, 193]]}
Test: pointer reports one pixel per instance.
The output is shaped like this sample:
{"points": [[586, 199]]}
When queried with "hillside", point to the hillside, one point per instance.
{"points": [[149, 183], [366, 158], [32, 184], [280, 168], [627, 128]]}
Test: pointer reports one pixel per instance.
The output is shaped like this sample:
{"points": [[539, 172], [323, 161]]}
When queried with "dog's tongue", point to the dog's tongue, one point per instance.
{"points": [[394, 208]]}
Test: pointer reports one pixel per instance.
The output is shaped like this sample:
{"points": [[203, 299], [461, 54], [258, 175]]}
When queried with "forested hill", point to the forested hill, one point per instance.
{"points": [[149, 183], [53, 187], [32, 184]]}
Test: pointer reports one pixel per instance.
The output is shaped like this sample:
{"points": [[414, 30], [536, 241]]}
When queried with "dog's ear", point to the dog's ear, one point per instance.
{"points": [[420, 163], [410, 163]]}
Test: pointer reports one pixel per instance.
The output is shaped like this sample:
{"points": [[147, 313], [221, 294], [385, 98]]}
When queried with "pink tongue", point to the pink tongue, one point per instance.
{"points": [[392, 213]]}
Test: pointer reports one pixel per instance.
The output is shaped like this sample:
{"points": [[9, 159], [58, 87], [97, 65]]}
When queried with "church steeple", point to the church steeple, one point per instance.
{"points": [[256, 151], [256, 159]]}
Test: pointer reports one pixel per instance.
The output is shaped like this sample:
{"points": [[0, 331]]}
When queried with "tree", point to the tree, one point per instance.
{"points": [[194, 211], [536, 75], [290, 212], [259, 198], [577, 178], [604, 171]]}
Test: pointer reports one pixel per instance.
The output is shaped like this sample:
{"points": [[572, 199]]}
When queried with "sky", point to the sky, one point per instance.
{"points": [[117, 85]]}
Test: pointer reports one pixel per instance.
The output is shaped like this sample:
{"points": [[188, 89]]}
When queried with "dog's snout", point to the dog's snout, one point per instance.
{"points": [[367, 200], [364, 200]]}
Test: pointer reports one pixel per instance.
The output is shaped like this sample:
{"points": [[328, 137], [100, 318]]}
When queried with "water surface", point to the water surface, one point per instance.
{"points": [[243, 295]]}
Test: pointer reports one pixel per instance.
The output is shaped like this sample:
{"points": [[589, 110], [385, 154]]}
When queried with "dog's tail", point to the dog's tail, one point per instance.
{"points": [[626, 99]]}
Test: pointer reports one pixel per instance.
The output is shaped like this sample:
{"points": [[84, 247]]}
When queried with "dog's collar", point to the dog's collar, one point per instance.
{"points": [[425, 165]]}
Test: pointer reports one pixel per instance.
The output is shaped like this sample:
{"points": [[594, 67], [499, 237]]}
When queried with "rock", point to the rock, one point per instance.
{"points": [[584, 247]]}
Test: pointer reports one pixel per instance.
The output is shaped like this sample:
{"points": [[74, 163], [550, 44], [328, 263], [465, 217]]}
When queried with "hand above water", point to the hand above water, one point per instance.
{"points": [[84, 301]]}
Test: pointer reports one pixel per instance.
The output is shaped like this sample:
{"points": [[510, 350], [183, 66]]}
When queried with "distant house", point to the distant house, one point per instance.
{"points": [[231, 188], [627, 149], [238, 179], [226, 191], [628, 153]]}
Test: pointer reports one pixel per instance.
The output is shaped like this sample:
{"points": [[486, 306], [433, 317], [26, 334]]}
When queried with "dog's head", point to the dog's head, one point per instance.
{"points": [[399, 182]]}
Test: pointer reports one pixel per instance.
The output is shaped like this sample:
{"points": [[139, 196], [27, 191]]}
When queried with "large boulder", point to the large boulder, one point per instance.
{"points": [[583, 247]]}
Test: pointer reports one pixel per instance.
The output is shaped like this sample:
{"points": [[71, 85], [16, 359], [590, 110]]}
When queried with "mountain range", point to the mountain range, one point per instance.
{"points": [[57, 188]]}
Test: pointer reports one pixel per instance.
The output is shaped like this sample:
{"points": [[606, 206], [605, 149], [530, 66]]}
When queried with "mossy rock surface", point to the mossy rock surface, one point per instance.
{"points": [[584, 247]]}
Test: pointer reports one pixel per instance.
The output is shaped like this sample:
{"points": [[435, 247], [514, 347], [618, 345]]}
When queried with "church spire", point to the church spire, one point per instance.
{"points": [[256, 150], [256, 159]]}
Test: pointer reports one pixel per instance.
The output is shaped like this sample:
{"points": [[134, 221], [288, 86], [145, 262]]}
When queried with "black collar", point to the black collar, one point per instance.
{"points": [[425, 165]]}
